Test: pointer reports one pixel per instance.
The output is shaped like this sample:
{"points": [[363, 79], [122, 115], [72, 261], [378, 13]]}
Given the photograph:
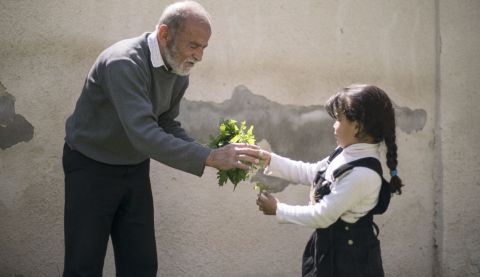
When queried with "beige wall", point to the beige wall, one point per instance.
{"points": [[458, 186], [290, 56]]}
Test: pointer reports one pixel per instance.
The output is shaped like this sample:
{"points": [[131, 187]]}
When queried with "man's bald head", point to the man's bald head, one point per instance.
{"points": [[176, 15]]}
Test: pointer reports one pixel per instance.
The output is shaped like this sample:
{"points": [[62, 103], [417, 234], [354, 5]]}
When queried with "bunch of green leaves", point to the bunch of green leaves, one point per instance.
{"points": [[230, 132]]}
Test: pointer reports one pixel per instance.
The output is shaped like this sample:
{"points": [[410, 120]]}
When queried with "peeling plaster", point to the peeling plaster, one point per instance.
{"points": [[14, 128], [409, 120], [298, 132]]}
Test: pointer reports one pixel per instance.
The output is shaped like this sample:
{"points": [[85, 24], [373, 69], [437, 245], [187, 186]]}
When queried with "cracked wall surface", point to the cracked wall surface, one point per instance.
{"points": [[272, 63], [14, 128]]}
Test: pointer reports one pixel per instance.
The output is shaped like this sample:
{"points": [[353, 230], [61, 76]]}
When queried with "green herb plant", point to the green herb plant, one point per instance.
{"points": [[230, 132]]}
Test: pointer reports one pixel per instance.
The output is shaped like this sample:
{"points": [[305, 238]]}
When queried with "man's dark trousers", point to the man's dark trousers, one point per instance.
{"points": [[103, 200]]}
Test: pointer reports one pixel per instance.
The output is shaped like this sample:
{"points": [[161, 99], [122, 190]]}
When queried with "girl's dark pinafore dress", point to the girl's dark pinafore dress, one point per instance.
{"points": [[344, 249]]}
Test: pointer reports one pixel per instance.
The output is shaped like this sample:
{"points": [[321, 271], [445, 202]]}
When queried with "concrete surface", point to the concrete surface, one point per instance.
{"points": [[273, 63]]}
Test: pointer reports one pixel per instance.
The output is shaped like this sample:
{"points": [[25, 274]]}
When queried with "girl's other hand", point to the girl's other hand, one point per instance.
{"points": [[267, 203]]}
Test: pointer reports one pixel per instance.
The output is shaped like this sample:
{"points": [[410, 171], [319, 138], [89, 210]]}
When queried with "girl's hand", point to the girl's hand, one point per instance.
{"points": [[267, 203], [265, 157]]}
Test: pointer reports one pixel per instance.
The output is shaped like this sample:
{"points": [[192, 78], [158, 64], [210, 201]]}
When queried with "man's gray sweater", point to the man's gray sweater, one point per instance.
{"points": [[126, 112]]}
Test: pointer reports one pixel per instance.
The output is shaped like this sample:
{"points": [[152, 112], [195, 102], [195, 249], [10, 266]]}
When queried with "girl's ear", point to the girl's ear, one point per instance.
{"points": [[357, 127]]}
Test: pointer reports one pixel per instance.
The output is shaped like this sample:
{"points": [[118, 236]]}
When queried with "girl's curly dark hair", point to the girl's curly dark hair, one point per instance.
{"points": [[371, 107]]}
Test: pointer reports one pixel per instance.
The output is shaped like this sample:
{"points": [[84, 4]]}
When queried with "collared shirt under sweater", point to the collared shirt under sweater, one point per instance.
{"points": [[127, 109]]}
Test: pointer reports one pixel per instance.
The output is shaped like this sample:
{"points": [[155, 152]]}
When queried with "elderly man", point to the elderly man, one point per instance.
{"points": [[124, 116]]}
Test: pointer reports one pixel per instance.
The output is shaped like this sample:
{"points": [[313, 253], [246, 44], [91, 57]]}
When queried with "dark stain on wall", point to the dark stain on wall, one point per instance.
{"points": [[298, 132], [14, 128], [290, 130]]}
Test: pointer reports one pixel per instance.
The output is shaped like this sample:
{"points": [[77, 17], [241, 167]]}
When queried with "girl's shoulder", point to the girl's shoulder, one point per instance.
{"points": [[362, 178]]}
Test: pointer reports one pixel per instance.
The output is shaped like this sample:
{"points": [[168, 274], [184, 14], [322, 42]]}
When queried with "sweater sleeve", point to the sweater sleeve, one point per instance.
{"points": [[126, 85], [353, 187]]}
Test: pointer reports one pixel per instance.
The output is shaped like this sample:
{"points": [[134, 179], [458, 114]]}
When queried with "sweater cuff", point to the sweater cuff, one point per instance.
{"points": [[203, 155]]}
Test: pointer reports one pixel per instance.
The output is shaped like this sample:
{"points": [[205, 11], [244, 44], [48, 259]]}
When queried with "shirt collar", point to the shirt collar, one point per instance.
{"points": [[358, 150], [155, 56]]}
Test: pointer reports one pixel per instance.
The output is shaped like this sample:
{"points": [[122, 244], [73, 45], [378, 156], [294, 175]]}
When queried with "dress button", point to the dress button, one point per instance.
{"points": [[346, 228], [350, 242]]}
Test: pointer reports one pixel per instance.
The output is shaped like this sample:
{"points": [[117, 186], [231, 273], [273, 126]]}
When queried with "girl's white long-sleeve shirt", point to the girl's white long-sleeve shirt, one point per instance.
{"points": [[352, 195]]}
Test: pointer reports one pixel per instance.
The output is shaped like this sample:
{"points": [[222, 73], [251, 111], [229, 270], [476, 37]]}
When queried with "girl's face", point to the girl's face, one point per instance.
{"points": [[345, 131]]}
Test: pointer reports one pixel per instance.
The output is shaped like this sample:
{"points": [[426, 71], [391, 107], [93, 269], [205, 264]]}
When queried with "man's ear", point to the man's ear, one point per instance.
{"points": [[162, 35]]}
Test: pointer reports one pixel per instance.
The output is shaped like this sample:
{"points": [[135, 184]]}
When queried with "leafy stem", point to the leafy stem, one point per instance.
{"points": [[230, 132]]}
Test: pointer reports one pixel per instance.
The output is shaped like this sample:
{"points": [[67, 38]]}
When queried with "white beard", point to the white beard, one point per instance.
{"points": [[177, 68]]}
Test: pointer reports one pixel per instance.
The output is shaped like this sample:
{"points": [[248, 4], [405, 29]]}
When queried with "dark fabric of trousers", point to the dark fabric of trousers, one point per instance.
{"points": [[103, 200], [343, 250]]}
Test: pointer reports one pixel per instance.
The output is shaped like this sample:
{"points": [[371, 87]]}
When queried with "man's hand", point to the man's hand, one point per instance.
{"points": [[233, 155]]}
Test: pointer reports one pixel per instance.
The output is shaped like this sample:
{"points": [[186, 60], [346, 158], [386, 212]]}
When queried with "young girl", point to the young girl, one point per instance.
{"points": [[343, 197]]}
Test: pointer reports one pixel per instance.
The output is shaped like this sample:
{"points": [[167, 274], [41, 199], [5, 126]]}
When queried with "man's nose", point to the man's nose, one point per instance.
{"points": [[198, 54]]}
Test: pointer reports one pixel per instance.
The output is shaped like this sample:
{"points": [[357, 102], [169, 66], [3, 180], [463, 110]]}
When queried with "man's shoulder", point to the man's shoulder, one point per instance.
{"points": [[132, 50]]}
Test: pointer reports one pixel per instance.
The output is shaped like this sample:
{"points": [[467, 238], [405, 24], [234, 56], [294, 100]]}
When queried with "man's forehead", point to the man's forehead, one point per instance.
{"points": [[196, 23], [192, 31]]}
